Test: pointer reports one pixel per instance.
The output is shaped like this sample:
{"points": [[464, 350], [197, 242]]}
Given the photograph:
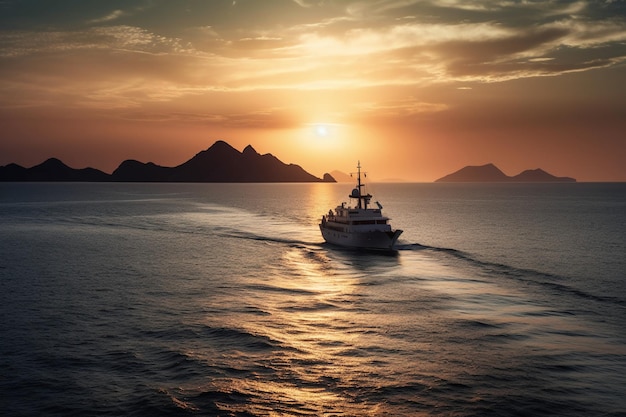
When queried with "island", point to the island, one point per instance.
{"points": [[491, 173], [219, 163]]}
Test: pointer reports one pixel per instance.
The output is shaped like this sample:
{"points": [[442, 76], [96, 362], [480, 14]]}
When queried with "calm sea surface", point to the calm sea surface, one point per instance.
{"points": [[222, 299]]}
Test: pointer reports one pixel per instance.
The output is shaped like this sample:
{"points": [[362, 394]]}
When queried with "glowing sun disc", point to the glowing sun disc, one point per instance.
{"points": [[322, 130]]}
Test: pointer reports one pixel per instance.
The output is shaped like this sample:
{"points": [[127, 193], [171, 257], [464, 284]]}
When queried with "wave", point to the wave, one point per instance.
{"points": [[240, 234], [552, 281]]}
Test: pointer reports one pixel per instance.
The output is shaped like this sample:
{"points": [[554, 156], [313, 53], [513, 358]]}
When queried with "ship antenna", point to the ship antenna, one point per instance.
{"points": [[359, 185]]}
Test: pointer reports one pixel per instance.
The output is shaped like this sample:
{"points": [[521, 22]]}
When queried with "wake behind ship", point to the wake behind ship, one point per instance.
{"points": [[359, 226]]}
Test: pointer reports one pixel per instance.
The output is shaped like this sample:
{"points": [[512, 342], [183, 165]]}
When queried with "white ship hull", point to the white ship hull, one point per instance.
{"points": [[380, 240]]}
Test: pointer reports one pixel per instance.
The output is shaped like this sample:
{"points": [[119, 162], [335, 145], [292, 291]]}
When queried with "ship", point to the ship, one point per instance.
{"points": [[357, 225]]}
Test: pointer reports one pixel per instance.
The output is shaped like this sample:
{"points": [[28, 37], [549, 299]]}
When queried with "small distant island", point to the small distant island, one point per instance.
{"points": [[219, 163], [491, 173]]}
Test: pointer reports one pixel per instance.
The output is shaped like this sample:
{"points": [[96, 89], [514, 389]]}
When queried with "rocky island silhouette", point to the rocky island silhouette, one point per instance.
{"points": [[491, 173], [219, 163], [223, 163]]}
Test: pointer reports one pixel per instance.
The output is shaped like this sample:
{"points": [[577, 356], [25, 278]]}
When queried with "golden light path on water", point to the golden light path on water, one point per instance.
{"points": [[304, 319], [337, 334], [331, 342]]}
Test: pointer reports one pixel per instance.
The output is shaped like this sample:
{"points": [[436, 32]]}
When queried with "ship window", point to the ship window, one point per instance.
{"points": [[357, 222]]}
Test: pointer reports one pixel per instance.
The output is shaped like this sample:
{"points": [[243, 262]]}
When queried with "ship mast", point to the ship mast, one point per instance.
{"points": [[356, 193]]}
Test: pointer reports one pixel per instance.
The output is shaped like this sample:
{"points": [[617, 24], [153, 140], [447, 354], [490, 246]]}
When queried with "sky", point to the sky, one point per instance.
{"points": [[414, 89]]}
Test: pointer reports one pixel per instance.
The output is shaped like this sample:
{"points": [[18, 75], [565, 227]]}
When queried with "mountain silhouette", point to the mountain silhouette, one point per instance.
{"points": [[539, 175], [341, 176], [219, 163], [135, 171], [328, 178], [51, 170], [484, 173], [491, 173]]}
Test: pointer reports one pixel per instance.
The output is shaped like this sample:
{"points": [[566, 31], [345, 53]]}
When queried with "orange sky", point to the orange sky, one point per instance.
{"points": [[413, 89]]}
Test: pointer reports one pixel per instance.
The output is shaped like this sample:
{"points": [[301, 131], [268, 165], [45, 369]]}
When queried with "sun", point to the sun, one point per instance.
{"points": [[322, 136], [322, 130]]}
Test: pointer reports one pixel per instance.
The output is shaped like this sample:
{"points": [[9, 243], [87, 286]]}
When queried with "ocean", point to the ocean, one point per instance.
{"points": [[123, 299]]}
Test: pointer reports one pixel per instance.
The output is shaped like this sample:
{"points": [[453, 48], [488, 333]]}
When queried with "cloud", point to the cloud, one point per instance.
{"points": [[20, 43], [114, 15], [397, 108], [306, 3], [362, 9], [368, 45]]}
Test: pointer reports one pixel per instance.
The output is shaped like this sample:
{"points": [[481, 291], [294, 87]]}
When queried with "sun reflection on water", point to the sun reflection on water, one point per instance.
{"points": [[323, 197], [313, 346]]}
